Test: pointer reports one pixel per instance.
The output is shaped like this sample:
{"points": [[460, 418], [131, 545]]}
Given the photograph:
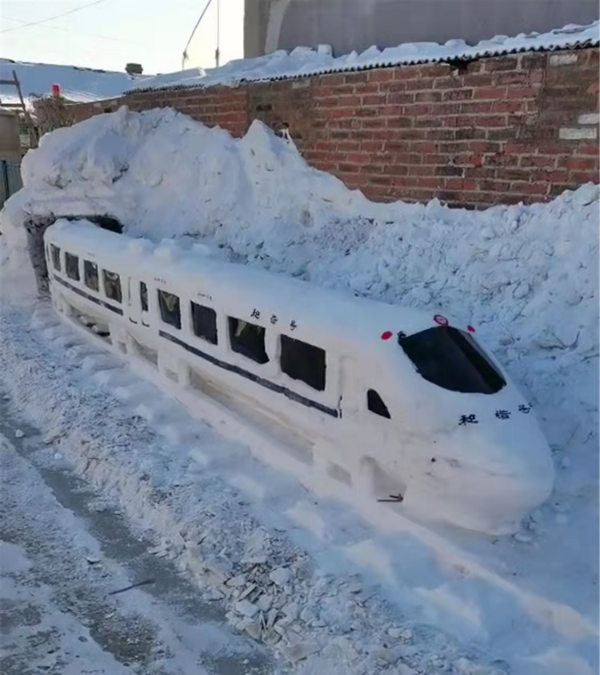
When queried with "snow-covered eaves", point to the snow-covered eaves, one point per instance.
{"points": [[76, 84], [304, 61]]}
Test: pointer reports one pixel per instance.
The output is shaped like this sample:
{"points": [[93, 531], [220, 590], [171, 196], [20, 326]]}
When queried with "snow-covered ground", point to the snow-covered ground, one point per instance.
{"points": [[285, 568], [525, 275], [81, 593]]}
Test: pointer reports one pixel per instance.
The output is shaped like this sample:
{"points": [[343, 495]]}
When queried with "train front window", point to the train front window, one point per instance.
{"points": [[451, 359]]}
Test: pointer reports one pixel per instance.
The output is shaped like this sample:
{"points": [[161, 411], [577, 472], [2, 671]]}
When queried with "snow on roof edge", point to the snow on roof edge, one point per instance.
{"points": [[305, 61], [79, 84], [16, 62]]}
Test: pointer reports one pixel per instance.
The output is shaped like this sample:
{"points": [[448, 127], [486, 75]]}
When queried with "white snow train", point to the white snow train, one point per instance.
{"points": [[378, 403]]}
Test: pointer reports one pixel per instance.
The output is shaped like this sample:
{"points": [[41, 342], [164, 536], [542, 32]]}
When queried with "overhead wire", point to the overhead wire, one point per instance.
{"points": [[52, 18], [68, 30]]}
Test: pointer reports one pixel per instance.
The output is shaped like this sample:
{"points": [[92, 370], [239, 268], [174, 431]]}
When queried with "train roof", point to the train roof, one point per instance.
{"points": [[241, 288]]}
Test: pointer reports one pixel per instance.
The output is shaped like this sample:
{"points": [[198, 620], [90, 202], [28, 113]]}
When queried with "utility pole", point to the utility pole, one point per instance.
{"points": [[185, 54]]}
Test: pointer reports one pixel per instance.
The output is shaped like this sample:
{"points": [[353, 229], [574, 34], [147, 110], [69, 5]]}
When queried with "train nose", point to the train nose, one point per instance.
{"points": [[489, 485], [506, 494]]}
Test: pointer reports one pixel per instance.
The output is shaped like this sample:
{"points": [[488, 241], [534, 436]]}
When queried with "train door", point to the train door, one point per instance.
{"points": [[349, 398], [351, 445], [380, 458], [137, 302]]}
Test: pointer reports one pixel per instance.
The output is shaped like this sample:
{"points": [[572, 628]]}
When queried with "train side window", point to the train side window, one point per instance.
{"points": [[376, 405], [304, 362], [90, 275], [112, 285], [248, 339], [144, 296], [55, 257], [204, 322], [170, 311], [72, 266]]}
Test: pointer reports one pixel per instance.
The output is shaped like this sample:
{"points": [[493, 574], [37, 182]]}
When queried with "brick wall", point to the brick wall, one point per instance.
{"points": [[496, 130], [82, 111]]}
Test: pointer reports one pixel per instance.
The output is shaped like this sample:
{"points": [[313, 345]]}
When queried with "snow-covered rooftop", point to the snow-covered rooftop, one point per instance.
{"points": [[305, 61], [76, 84]]}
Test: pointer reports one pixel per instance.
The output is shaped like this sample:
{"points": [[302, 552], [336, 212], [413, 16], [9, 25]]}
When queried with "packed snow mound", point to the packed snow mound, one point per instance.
{"points": [[525, 276]]}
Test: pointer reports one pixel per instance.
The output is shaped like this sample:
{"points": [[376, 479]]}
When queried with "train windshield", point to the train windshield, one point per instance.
{"points": [[452, 359]]}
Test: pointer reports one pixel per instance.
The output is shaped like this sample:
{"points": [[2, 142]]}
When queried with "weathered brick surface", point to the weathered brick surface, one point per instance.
{"points": [[497, 130]]}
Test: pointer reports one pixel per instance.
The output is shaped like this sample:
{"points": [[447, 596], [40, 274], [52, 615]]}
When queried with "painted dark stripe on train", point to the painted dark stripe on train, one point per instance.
{"points": [[87, 296], [288, 393]]}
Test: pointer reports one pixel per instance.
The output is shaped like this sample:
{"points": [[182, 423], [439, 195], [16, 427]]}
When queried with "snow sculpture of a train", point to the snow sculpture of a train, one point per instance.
{"points": [[390, 404]]}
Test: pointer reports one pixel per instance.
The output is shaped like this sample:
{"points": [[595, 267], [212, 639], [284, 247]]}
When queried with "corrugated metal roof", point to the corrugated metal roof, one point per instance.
{"points": [[305, 62]]}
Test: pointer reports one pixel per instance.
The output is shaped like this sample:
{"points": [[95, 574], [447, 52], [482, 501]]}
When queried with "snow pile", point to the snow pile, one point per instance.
{"points": [[304, 61], [526, 276], [76, 84]]}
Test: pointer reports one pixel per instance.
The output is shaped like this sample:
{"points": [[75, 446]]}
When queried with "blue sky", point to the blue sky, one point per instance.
{"points": [[114, 32]]}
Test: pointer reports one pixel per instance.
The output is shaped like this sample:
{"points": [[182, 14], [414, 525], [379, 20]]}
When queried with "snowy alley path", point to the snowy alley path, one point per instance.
{"points": [[63, 551], [173, 482]]}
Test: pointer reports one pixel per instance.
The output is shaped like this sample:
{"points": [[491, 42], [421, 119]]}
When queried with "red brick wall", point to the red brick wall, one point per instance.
{"points": [[497, 130], [83, 111]]}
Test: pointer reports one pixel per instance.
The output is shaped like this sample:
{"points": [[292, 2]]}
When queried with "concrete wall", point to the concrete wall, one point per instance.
{"points": [[357, 24]]}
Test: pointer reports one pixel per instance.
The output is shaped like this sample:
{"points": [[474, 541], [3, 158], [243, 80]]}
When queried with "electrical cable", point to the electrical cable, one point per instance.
{"points": [[69, 30], [51, 18]]}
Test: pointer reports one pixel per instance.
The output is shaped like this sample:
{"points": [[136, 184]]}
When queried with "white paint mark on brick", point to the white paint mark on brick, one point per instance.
{"points": [[589, 118], [300, 84], [577, 134], [563, 59]]}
